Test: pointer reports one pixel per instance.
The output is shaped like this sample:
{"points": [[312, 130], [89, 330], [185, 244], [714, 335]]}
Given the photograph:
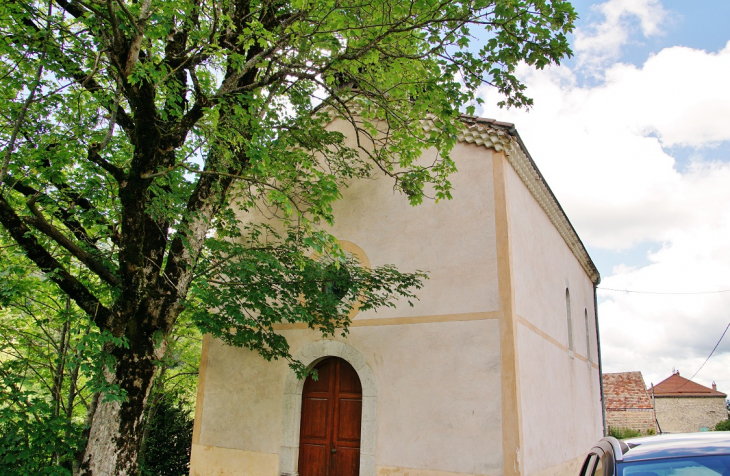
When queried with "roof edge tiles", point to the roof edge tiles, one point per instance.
{"points": [[676, 386], [691, 395], [625, 391], [503, 137]]}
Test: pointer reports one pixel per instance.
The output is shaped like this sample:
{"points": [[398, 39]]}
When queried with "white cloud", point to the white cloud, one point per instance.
{"points": [[602, 148], [604, 151], [656, 333], [601, 42]]}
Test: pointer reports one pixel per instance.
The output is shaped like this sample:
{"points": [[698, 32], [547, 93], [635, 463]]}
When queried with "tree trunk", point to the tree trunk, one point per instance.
{"points": [[116, 428]]}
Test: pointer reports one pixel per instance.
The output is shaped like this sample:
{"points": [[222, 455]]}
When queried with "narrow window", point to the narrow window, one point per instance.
{"points": [[570, 321], [588, 337]]}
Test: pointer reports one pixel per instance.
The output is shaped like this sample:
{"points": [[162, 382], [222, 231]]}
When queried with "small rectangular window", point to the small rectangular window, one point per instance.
{"points": [[570, 322], [588, 337]]}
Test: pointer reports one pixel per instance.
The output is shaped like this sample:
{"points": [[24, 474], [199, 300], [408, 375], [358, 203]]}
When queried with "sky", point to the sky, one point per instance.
{"points": [[633, 136]]}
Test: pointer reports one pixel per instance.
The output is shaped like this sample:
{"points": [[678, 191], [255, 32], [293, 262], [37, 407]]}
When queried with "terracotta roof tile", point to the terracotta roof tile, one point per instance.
{"points": [[486, 120], [625, 390], [676, 386]]}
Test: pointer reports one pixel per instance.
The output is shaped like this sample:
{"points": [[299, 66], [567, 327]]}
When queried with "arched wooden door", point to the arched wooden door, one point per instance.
{"points": [[329, 441]]}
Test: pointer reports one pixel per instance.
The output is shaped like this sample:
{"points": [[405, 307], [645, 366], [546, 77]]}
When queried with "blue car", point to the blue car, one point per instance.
{"points": [[689, 454]]}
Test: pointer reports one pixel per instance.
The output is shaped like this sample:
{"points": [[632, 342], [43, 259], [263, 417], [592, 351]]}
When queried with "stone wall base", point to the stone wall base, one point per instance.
{"points": [[217, 461], [637, 420], [568, 468]]}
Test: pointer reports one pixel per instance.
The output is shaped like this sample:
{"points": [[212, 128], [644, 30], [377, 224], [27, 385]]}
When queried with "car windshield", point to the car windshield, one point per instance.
{"points": [[694, 466]]}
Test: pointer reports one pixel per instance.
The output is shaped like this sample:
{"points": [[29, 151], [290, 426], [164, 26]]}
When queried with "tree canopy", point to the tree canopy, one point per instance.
{"points": [[137, 134]]}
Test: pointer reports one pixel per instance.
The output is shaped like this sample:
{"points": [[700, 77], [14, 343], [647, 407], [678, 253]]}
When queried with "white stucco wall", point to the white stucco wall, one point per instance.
{"points": [[453, 240], [436, 364], [438, 396], [560, 393]]}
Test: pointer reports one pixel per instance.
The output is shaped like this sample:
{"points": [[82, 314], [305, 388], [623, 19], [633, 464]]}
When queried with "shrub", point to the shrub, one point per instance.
{"points": [[166, 451], [621, 433], [723, 426]]}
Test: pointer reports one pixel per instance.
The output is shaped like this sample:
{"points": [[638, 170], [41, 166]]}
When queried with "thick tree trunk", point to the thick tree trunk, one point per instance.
{"points": [[116, 429]]}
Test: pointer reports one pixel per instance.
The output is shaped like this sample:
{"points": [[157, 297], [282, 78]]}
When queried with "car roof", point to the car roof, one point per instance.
{"points": [[677, 446]]}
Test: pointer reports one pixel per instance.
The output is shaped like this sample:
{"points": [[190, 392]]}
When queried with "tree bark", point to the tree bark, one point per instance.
{"points": [[116, 428]]}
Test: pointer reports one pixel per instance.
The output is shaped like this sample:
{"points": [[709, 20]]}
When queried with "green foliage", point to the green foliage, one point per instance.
{"points": [[43, 405], [163, 158], [42, 391], [212, 110], [32, 439], [94, 361], [722, 426], [275, 280], [623, 433]]}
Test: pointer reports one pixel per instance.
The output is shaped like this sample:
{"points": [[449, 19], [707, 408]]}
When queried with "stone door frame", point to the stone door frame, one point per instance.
{"points": [[310, 355]]}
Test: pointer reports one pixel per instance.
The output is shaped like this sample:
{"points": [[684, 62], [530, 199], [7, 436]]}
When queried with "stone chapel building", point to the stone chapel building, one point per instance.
{"points": [[494, 372]]}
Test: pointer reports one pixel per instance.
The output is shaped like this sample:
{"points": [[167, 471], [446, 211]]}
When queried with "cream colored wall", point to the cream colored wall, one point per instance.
{"points": [[218, 461], [559, 389], [453, 240], [566, 468], [437, 364], [438, 397]]}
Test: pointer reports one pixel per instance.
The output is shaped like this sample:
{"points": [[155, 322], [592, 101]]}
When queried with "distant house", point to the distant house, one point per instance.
{"points": [[684, 406], [628, 405]]}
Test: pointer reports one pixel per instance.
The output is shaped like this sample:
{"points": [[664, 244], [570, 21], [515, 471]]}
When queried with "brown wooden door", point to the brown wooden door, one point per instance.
{"points": [[329, 441]]}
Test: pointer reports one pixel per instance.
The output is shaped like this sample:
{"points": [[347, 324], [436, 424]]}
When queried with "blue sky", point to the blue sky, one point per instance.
{"points": [[633, 136], [700, 24]]}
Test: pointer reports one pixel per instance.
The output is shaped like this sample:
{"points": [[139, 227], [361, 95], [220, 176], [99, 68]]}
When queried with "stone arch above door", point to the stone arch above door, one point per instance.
{"points": [[309, 355]]}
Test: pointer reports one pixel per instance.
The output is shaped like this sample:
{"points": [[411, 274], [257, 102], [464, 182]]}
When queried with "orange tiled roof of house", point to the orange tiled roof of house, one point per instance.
{"points": [[625, 390], [676, 386]]}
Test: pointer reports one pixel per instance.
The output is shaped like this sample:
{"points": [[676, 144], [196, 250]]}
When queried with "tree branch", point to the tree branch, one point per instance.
{"points": [[72, 70], [22, 235], [136, 45], [71, 8], [62, 213], [114, 171], [41, 224]]}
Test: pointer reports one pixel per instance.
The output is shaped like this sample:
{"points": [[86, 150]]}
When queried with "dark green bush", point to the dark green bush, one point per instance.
{"points": [[166, 449], [723, 426]]}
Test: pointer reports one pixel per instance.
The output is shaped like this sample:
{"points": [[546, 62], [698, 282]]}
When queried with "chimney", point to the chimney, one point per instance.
{"points": [[714, 386]]}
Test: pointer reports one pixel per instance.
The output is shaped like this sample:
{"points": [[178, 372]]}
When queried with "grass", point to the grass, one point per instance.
{"points": [[622, 433]]}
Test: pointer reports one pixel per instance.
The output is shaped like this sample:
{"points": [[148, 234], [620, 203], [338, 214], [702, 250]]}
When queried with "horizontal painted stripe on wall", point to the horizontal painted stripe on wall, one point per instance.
{"points": [[552, 340], [399, 321], [398, 471]]}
